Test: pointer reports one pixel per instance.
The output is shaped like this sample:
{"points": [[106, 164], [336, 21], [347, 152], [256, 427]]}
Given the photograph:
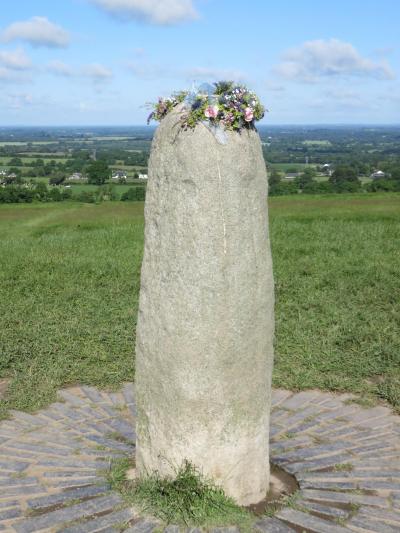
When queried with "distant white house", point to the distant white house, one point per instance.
{"points": [[142, 176], [77, 176], [290, 176], [118, 174], [327, 169], [378, 174]]}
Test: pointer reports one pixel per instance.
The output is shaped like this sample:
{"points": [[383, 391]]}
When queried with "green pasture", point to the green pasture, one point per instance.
{"points": [[284, 167], [69, 283]]}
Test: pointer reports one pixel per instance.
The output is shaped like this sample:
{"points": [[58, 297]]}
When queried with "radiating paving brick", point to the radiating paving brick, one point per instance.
{"points": [[142, 526], [272, 525], [370, 526], [118, 518], [392, 517], [344, 497], [310, 522], [68, 514], [63, 498], [324, 510], [279, 396], [318, 464], [54, 463], [10, 513], [11, 492]]}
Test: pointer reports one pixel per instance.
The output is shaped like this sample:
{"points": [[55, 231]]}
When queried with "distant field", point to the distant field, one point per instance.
{"points": [[69, 282], [24, 143], [285, 166], [318, 143]]}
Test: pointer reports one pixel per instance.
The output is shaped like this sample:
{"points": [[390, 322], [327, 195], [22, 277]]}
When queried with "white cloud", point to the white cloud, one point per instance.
{"points": [[15, 59], [149, 71], [97, 72], [94, 71], [38, 31], [214, 74], [317, 59], [160, 12], [20, 100], [60, 68]]}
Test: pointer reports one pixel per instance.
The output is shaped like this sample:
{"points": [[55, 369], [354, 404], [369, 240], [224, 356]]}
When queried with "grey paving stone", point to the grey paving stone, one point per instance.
{"points": [[117, 518], [366, 524], [37, 449], [73, 399], [90, 413], [73, 463], [78, 482], [310, 522], [10, 513], [142, 526], [18, 481], [329, 485], [110, 443], [310, 452], [67, 496], [93, 394], [393, 486], [122, 427], [318, 464], [279, 396], [298, 400], [68, 514], [7, 504], [392, 517], [66, 411], [25, 490], [117, 399], [324, 510], [172, 529], [13, 466], [343, 497], [272, 525]]}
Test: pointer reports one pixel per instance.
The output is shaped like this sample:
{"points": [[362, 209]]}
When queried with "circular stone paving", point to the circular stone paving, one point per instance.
{"points": [[346, 460]]}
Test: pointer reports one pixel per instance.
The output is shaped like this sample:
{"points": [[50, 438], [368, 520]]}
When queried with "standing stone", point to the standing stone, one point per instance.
{"points": [[205, 325]]}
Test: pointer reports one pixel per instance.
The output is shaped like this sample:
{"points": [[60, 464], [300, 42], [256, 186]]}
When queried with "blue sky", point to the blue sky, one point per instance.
{"points": [[95, 62]]}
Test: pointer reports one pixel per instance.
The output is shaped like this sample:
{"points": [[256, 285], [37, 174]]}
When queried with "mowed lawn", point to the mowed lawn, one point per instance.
{"points": [[69, 283]]}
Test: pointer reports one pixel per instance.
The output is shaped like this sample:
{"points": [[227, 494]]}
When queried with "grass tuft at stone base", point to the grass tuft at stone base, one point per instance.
{"points": [[188, 499]]}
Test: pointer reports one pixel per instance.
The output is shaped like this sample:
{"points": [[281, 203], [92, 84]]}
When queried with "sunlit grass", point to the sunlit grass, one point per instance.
{"points": [[69, 284]]}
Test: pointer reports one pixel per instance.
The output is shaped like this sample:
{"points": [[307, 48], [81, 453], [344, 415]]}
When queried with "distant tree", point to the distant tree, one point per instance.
{"points": [[41, 191], [55, 195], [342, 174], [274, 177], [305, 177], [15, 162], [395, 173], [57, 178], [98, 172], [134, 194]]}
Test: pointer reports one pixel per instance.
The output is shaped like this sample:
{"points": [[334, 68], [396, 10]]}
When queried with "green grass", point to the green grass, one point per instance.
{"points": [[287, 166], [69, 283], [187, 499]]}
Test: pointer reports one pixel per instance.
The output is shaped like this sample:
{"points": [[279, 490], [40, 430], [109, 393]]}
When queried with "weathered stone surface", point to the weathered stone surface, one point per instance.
{"points": [[205, 325]]}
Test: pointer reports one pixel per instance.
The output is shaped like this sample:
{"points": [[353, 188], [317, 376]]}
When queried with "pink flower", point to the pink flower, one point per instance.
{"points": [[211, 111], [248, 114]]}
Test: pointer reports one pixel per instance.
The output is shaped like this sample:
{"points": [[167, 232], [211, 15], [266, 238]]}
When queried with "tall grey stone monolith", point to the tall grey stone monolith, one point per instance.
{"points": [[205, 325]]}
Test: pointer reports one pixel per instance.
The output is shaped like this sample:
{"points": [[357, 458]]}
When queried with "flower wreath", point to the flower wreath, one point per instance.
{"points": [[224, 105]]}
